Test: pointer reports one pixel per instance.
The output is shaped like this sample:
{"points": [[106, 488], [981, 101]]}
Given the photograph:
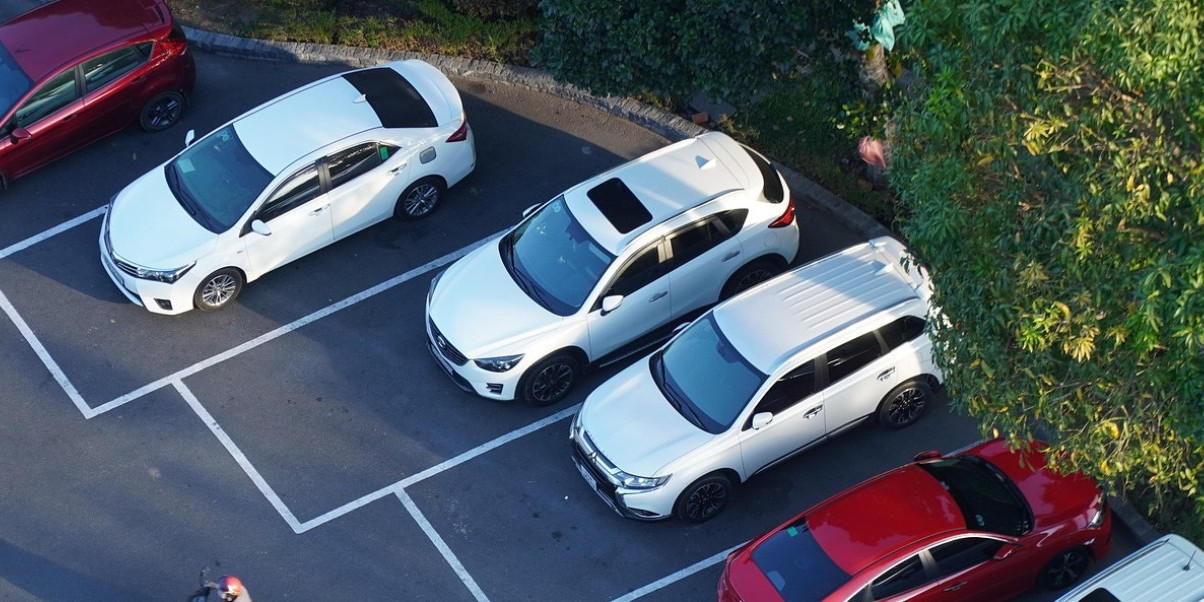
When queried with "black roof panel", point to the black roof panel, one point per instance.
{"points": [[396, 102], [616, 201]]}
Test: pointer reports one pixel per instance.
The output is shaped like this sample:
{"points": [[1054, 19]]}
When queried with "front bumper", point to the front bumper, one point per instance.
{"points": [[465, 373], [637, 504], [156, 297]]}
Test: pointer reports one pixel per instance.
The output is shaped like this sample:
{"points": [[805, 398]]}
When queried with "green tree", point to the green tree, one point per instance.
{"points": [[1049, 173]]}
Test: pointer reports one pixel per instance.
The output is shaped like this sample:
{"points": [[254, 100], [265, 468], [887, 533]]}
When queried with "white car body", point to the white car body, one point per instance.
{"points": [[477, 311], [860, 311], [1168, 568], [309, 133]]}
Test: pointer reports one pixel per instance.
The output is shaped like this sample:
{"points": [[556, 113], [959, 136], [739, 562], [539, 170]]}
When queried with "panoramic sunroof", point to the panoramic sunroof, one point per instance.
{"points": [[396, 102], [616, 201]]}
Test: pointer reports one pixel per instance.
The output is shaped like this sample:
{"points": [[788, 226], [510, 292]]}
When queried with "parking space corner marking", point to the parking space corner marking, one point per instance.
{"points": [[703, 564], [59, 229], [441, 545], [59, 376]]}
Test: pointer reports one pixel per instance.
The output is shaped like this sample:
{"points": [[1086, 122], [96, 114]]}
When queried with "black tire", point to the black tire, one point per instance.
{"points": [[1064, 569], [550, 380], [420, 199], [218, 290], [161, 112], [704, 499], [905, 404], [748, 276]]}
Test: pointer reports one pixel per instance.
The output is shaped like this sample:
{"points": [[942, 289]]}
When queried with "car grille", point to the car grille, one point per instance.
{"points": [[585, 457], [446, 349], [119, 263]]}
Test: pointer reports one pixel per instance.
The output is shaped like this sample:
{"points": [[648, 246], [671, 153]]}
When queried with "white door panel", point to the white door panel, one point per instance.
{"points": [[858, 394], [295, 233], [794, 427], [367, 199], [641, 312]]}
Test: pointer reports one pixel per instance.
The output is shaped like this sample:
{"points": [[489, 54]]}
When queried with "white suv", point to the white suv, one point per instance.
{"points": [[759, 378], [603, 266]]}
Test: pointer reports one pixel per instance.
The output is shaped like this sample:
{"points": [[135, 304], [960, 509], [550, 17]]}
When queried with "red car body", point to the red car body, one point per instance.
{"points": [[75, 71], [987, 524]]}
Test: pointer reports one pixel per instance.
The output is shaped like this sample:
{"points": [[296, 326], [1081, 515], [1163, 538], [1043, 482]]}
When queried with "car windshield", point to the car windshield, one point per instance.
{"points": [[988, 499], [797, 566], [704, 377], [553, 259], [216, 179], [13, 81]]}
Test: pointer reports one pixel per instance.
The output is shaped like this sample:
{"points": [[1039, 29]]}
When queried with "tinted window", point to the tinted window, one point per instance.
{"points": [[902, 330], [796, 566], [732, 221], [110, 66], [642, 270], [847, 358], [216, 179], [13, 81], [987, 499], [773, 186], [704, 377], [900, 578], [691, 242], [355, 161], [792, 388], [961, 554], [52, 96], [298, 190], [553, 259]]}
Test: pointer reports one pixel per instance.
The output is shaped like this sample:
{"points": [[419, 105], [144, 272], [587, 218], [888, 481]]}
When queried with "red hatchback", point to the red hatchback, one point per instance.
{"points": [[987, 524], [74, 71]]}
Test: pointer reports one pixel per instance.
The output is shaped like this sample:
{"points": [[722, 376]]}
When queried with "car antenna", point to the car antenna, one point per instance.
{"points": [[1187, 565], [362, 98]]}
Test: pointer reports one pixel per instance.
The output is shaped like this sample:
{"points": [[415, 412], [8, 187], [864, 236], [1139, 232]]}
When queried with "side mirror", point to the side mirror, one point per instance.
{"points": [[761, 419], [260, 228], [927, 455], [19, 133], [530, 210], [189, 137], [611, 303]]}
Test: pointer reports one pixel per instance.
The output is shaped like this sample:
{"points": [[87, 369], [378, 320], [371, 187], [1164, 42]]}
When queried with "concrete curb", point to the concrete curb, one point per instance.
{"points": [[662, 122], [1132, 520]]}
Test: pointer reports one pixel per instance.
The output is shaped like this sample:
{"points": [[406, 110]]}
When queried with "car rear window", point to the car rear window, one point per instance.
{"points": [[796, 566], [619, 205], [1099, 595], [773, 184], [989, 501], [396, 102]]}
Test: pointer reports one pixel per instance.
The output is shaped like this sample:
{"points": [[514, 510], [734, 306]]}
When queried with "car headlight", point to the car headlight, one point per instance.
{"points": [[168, 276], [1101, 510], [631, 481], [498, 364], [434, 282]]}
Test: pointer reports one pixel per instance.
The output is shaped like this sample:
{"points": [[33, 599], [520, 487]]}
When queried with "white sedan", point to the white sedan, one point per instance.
{"points": [[286, 179]]}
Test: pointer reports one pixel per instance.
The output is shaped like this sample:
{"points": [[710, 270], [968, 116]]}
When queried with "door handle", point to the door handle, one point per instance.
{"points": [[397, 170], [955, 587], [658, 296], [319, 210], [886, 374], [813, 411], [731, 255]]}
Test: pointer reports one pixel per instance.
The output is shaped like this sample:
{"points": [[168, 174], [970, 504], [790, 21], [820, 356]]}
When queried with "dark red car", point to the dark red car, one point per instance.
{"points": [[74, 71], [987, 524]]}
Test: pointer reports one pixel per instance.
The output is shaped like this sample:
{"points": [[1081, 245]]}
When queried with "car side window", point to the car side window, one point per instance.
{"points": [[847, 358], [732, 221], [52, 96], [112, 65], [902, 330], [296, 191], [960, 554], [793, 387], [351, 163], [900, 578], [642, 270]]}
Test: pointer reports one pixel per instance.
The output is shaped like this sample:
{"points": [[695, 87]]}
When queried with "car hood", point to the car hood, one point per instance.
{"points": [[631, 423], [148, 227], [481, 311], [1052, 497]]}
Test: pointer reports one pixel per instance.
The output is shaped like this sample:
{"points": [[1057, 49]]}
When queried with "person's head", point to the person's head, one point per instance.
{"points": [[229, 587]]}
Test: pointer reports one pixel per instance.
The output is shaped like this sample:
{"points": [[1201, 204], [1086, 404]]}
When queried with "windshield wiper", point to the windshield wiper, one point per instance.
{"points": [[683, 407], [173, 184], [522, 280]]}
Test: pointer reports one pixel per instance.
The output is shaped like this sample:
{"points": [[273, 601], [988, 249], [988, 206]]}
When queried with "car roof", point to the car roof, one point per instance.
{"points": [[1169, 568], [296, 124], [776, 319], [863, 524], [665, 182], [38, 38]]}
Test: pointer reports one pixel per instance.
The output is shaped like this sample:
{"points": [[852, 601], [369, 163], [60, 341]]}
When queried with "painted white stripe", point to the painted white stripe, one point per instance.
{"points": [[678, 576], [448, 555], [44, 355], [241, 459], [287, 328], [347, 508], [59, 229]]}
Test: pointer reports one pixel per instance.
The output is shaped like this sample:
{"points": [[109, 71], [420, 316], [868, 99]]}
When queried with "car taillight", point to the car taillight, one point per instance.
{"points": [[787, 216], [461, 134]]}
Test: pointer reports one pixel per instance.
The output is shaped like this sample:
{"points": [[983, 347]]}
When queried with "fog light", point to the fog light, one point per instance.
{"points": [[495, 388], [164, 304]]}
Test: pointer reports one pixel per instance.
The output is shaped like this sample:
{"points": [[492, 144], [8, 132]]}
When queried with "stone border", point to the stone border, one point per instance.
{"points": [[662, 122]]}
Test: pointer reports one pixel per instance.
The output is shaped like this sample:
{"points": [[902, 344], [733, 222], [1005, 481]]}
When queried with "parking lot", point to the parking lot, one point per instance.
{"points": [[304, 440]]}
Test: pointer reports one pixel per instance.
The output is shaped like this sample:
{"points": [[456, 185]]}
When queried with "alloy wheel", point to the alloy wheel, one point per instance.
{"points": [[421, 200], [219, 290], [706, 501]]}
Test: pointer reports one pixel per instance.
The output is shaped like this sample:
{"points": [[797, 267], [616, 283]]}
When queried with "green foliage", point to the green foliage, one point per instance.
{"points": [[493, 9], [1050, 174], [676, 47]]}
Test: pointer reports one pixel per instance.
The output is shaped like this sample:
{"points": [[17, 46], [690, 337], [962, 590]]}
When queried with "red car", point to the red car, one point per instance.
{"points": [[987, 524], [74, 71]]}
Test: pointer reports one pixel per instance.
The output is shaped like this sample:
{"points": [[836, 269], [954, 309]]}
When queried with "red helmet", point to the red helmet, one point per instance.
{"points": [[229, 587]]}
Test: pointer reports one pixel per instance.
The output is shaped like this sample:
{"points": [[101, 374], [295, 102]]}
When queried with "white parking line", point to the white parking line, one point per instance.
{"points": [[63, 227], [448, 555], [242, 460], [44, 355], [678, 576]]}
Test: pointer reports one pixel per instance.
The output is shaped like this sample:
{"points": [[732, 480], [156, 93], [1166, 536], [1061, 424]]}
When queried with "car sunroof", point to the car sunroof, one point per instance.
{"points": [[396, 102], [616, 201]]}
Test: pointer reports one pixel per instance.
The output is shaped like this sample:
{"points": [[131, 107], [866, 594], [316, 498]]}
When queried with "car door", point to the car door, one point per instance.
{"points": [[365, 181], [858, 376], [798, 420], [110, 101], [643, 282], [49, 115], [702, 256], [298, 214], [967, 569]]}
